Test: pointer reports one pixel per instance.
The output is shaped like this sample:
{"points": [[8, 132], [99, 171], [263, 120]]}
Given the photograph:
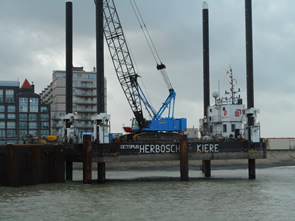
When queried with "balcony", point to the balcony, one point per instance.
{"points": [[84, 86], [84, 94], [86, 110], [84, 102]]}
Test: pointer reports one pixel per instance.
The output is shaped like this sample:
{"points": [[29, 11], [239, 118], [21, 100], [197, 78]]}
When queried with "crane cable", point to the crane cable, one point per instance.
{"points": [[146, 33], [160, 66], [139, 75]]}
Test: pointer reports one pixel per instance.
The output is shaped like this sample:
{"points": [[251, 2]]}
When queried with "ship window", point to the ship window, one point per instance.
{"points": [[210, 110], [210, 119], [233, 128], [223, 109], [211, 129], [224, 128]]}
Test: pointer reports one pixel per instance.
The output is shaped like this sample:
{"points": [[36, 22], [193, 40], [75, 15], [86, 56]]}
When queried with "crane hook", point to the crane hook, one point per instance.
{"points": [[160, 66]]}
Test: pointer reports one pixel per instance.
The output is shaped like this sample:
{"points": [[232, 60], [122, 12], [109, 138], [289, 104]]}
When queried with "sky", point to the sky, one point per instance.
{"points": [[32, 45]]}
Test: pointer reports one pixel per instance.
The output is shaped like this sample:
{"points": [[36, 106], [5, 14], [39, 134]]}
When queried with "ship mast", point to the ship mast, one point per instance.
{"points": [[232, 82]]}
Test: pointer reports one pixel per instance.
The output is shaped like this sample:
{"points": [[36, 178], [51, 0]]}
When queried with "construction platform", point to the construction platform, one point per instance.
{"points": [[35, 164]]}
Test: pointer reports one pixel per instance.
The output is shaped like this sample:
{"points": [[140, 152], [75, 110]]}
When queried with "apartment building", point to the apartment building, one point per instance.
{"points": [[84, 99], [21, 112]]}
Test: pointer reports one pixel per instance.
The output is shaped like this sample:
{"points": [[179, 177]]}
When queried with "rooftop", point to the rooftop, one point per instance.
{"points": [[26, 84], [9, 83]]}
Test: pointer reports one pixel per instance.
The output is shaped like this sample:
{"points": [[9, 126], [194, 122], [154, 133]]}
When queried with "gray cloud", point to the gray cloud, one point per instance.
{"points": [[32, 44]]}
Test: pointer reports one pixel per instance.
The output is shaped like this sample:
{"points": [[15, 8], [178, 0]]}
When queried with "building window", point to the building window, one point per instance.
{"points": [[22, 125], [11, 133], [23, 117], [2, 133], [10, 125], [21, 133], [61, 75], [2, 108], [11, 141], [9, 96], [91, 76], [33, 132], [44, 109], [11, 116], [11, 108], [233, 128], [84, 84], [44, 125], [224, 128], [44, 117], [23, 104], [2, 116], [1, 96], [53, 106], [2, 124], [34, 104], [32, 117], [44, 132], [32, 125]]}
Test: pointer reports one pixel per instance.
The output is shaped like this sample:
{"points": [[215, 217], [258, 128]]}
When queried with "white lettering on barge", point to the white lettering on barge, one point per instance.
{"points": [[153, 148], [208, 148]]}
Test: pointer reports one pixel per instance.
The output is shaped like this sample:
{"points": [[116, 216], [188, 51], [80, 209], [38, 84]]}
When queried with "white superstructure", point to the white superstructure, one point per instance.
{"points": [[227, 118]]}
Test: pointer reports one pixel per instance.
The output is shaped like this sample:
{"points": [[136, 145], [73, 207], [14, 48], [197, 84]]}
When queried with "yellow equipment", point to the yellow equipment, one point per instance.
{"points": [[29, 139]]}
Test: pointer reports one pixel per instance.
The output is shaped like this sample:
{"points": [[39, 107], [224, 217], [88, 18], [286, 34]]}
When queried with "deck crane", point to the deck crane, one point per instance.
{"points": [[128, 77]]}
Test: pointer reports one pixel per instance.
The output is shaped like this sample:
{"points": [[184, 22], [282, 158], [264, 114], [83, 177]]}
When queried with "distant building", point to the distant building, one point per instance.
{"points": [[84, 99], [21, 112]]}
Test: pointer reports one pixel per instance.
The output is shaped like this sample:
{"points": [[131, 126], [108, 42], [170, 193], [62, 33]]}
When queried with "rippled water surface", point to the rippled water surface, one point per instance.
{"points": [[158, 195]]}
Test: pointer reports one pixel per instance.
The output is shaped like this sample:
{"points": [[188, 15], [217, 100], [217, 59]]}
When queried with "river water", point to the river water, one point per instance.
{"points": [[158, 195]]}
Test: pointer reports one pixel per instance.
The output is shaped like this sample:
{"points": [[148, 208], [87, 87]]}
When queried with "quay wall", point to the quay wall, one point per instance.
{"points": [[274, 158]]}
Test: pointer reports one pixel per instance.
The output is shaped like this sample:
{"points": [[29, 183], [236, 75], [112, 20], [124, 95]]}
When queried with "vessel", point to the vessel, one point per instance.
{"points": [[227, 117]]}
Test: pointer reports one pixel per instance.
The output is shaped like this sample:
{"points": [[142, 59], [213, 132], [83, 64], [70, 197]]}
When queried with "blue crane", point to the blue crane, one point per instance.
{"points": [[128, 77]]}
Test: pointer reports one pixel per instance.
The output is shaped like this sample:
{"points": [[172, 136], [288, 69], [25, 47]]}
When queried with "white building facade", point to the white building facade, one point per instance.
{"points": [[84, 99]]}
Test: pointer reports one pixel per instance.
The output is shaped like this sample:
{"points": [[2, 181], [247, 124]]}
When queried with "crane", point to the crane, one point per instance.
{"points": [[128, 78]]}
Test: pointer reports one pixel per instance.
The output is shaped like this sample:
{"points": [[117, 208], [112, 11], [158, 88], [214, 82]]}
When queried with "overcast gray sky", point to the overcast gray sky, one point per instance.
{"points": [[32, 45]]}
